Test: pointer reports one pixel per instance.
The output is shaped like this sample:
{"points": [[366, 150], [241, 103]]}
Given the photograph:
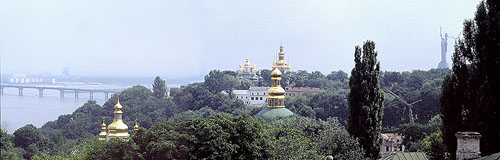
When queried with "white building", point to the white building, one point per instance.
{"points": [[25, 78], [392, 143], [253, 96]]}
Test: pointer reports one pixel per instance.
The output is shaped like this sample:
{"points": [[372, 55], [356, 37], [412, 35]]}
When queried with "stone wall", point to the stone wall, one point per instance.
{"points": [[468, 145]]}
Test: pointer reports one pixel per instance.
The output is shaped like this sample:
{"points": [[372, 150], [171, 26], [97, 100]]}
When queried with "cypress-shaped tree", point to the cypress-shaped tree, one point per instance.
{"points": [[470, 98], [159, 88], [366, 100]]}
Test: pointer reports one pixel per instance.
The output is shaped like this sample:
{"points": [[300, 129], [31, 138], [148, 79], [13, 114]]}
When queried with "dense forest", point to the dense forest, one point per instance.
{"points": [[179, 119]]}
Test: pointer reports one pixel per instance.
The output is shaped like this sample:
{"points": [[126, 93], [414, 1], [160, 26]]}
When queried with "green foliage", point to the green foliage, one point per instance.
{"points": [[322, 105], [300, 106], [366, 100], [195, 96], [217, 137], [140, 104], [217, 81], [292, 144], [414, 132], [204, 112], [294, 138], [425, 138], [317, 137], [335, 140], [244, 84], [411, 86], [31, 141], [114, 149], [471, 96], [7, 147], [159, 88], [330, 104], [77, 125], [266, 77], [434, 147]]}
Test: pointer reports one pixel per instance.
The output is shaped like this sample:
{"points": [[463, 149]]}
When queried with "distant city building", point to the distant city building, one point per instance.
{"points": [[253, 96], [392, 143], [27, 78], [294, 91], [280, 62]]}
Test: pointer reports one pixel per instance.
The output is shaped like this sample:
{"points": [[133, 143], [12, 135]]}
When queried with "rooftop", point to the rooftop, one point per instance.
{"points": [[406, 156]]}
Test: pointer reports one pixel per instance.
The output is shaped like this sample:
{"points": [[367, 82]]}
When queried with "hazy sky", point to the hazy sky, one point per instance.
{"points": [[189, 38]]}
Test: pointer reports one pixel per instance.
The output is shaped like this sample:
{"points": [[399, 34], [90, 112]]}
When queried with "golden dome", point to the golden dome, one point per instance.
{"points": [[276, 73], [247, 63], [136, 127], [118, 105], [276, 91], [117, 128], [103, 134]]}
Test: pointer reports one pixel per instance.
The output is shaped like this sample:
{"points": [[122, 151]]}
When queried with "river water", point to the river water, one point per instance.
{"points": [[17, 111]]}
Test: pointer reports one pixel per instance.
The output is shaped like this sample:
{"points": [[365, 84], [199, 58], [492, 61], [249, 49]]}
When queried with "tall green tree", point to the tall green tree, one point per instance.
{"points": [[217, 81], [159, 88], [366, 100], [471, 95]]}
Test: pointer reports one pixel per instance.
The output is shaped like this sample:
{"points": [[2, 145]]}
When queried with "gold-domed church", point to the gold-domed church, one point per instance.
{"points": [[117, 129], [248, 72], [280, 62], [275, 99]]}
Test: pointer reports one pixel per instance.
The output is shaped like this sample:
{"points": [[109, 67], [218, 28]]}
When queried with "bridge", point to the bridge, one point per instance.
{"points": [[62, 90]]}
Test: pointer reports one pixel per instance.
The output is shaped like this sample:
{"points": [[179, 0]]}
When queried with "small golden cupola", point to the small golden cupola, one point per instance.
{"points": [[241, 70], [117, 129], [247, 63], [103, 134], [276, 94], [136, 127]]}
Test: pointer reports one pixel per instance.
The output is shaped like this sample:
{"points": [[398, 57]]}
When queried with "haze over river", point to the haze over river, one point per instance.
{"points": [[17, 111]]}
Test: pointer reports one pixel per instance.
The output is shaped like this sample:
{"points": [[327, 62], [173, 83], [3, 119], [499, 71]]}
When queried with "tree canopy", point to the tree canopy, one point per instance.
{"points": [[366, 100], [470, 98]]}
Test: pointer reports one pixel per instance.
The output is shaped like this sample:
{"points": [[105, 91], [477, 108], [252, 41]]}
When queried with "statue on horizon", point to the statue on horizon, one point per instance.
{"points": [[444, 45]]}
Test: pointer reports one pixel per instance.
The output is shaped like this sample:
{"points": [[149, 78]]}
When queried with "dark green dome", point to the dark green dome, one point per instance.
{"points": [[273, 113]]}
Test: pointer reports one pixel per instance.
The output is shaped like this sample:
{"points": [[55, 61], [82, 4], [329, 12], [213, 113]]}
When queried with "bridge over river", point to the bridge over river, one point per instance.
{"points": [[63, 89]]}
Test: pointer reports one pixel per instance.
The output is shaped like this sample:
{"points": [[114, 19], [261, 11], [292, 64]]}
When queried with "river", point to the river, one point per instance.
{"points": [[17, 111]]}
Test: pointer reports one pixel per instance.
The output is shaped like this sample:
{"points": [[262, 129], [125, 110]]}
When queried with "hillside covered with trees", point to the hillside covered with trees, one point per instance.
{"points": [[199, 101]]}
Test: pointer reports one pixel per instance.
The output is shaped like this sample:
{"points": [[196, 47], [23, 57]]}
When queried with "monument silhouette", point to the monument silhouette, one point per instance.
{"points": [[444, 44]]}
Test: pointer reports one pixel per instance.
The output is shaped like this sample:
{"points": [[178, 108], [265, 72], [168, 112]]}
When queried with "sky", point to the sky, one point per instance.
{"points": [[188, 38]]}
